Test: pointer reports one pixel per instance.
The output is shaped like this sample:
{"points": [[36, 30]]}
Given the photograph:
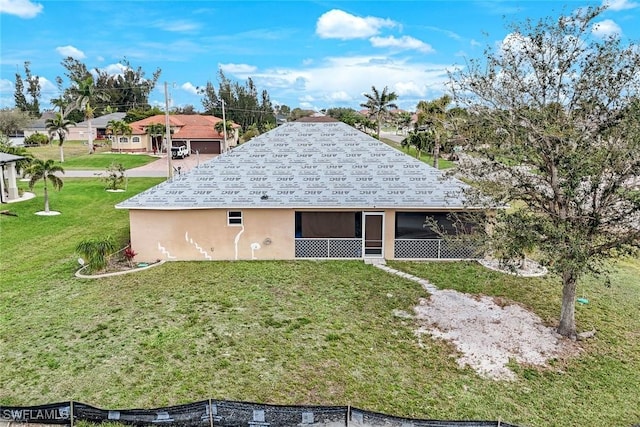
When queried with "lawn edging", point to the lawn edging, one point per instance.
{"points": [[79, 274]]}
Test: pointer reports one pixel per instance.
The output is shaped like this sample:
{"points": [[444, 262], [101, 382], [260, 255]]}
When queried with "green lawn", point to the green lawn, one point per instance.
{"points": [[76, 156], [424, 157], [280, 332]]}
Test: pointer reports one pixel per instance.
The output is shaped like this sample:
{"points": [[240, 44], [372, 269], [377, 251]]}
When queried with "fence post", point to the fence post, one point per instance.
{"points": [[210, 413], [346, 421], [439, 248], [71, 412]]}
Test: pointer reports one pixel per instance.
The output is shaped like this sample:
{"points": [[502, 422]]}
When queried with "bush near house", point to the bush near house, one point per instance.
{"points": [[36, 140]]}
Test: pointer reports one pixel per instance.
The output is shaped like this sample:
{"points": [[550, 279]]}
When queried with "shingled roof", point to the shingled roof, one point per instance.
{"points": [[307, 165]]}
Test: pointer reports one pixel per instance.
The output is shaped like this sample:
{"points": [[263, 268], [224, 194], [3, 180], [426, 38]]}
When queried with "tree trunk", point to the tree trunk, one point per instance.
{"points": [[90, 140], [46, 199], [61, 154], [436, 155], [567, 327]]}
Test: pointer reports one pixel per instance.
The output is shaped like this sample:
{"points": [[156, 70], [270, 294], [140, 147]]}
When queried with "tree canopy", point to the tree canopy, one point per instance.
{"points": [[561, 110], [243, 105], [31, 106], [128, 89], [379, 103]]}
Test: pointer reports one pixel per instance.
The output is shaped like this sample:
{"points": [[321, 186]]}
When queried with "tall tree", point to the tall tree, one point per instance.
{"points": [[20, 99], [379, 104], [127, 89], [136, 114], [563, 109], [435, 116], [241, 102], [85, 96], [59, 126], [45, 170], [33, 89]]}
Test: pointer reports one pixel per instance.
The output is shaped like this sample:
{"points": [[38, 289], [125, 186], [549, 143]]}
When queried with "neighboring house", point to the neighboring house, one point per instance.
{"points": [[195, 131], [38, 125], [99, 125], [8, 177], [301, 190]]}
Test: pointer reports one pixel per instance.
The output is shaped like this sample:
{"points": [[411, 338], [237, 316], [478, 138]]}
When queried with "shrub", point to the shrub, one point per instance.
{"points": [[129, 254], [115, 176], [96, 252], [36, 139]]}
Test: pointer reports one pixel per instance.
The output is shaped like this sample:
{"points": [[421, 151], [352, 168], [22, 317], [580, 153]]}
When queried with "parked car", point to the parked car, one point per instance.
{"points": [[179, 152]]}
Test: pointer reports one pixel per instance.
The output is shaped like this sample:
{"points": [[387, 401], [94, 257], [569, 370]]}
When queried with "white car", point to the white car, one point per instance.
{"points": [[179, 152]]}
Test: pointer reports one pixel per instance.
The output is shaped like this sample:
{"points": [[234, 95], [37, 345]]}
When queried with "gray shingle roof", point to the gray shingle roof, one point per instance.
{"points": [[307, 165]]}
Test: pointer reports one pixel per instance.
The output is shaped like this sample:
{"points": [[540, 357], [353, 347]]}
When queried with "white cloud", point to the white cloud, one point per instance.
{"points": [[115, 69], [6, 85], [340, 95], [100, 58], [237, 68], [474, 43], [337, 24], [605, 28], [6, 94], [70, 51], [341, 81], [189, 87], [21, 8], [619, 4], [409, 89], [404, 42], [176, 25]]}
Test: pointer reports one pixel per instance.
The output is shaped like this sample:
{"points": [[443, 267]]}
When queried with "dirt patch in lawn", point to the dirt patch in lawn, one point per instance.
{"points": [[489, 333]]}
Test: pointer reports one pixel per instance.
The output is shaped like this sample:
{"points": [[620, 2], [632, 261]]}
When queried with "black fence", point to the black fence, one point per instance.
{"points": [[213, 413]]}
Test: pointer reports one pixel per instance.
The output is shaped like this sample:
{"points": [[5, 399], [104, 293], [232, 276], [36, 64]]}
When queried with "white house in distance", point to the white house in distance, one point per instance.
{"points": [[301, 190]]}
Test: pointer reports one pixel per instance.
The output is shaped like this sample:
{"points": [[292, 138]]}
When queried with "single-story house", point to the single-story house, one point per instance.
{"points": [[302, 190], [195, 131], [8, 177], [38, 125], [99, 125]]}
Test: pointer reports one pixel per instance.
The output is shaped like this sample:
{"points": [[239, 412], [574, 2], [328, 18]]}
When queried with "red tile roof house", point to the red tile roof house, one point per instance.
{"points": [[195, 131]]}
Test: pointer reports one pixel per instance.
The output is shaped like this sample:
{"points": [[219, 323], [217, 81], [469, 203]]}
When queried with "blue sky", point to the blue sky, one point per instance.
{"points": [[308, 54]]}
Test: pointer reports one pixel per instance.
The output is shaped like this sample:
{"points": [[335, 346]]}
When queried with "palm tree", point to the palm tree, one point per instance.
{"points": [[59, 125], [119, 127], [421, 141], [45, 170], [434, 114], [225, 129], [379, 104], [86, 94], [155, 131]]}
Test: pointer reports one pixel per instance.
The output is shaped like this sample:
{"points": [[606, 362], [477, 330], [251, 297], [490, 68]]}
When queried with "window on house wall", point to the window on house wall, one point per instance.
{"points": [[124, 139], [234, 218], [135, 139]]}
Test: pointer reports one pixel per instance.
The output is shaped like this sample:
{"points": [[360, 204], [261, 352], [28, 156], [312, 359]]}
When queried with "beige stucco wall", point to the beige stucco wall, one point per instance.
{"points": [[130, 146], [204, 235]]}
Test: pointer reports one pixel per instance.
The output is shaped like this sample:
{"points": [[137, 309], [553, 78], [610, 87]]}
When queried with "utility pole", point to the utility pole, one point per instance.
{"points": [[224, 128], [167, 130]]}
